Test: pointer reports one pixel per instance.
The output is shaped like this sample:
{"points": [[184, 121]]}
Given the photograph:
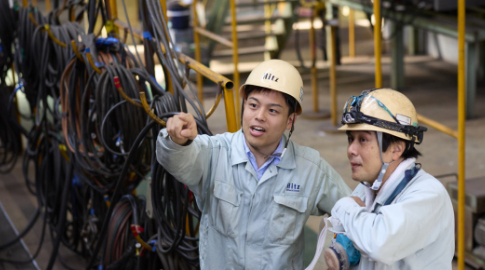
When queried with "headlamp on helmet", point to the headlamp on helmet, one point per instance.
{"points": [[369, 112]]}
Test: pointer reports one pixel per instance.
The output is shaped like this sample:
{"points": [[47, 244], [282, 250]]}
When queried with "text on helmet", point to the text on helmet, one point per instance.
{"points": [[269, 76]]}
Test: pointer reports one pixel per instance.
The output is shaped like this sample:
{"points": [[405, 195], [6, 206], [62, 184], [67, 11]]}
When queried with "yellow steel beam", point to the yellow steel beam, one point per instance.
{"points": [[351, 33], [377, 43], [461, 134], [333, 76], [235, 59], [313, 68], [113, 8], [440, 127], [163, 3], [200, 90]]}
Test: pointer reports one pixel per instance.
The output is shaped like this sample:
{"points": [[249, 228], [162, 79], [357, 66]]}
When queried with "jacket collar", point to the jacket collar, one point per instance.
{"points": [[239, 153]]}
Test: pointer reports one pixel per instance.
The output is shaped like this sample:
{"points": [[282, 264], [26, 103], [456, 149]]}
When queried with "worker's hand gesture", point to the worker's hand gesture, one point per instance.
{"points": [[181, 128]]}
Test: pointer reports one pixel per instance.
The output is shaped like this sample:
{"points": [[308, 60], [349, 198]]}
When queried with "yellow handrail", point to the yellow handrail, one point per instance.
{"points": [[213, 36], [429, 122], [351, 33]]}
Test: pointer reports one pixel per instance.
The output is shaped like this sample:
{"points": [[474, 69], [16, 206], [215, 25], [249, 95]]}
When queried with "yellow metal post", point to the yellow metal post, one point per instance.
{"points": [[351, 33], [235, 59], [168, 79], [268, 11], [377, 43], [195, 19], [461, 134], [48, 5], [113, 8], [313, 68], [333, 76], [232, 122]]}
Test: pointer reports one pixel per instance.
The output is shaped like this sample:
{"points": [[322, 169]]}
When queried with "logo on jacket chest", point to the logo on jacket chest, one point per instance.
{"points": [[292, 187]]}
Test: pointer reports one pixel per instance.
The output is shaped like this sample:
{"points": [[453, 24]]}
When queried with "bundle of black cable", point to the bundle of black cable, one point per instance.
{"points": [[120, 250], [10, 144], [98, 125], [10, 140], [45, 50]]}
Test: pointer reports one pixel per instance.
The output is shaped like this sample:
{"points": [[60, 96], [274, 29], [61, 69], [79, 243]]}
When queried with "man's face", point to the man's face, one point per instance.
{"points": [[265, 119], [363, 153]]}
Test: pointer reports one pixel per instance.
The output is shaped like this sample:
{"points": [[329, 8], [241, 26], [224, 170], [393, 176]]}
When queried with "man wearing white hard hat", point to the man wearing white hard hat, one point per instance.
{"points": [[399, 217], [257, 188]]}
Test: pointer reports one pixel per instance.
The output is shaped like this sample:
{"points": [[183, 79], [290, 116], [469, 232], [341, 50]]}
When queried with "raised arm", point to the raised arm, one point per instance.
{"points": [[182, 157]]}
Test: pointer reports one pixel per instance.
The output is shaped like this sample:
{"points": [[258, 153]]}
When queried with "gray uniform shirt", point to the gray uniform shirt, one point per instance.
{"points": [[246, 223]]}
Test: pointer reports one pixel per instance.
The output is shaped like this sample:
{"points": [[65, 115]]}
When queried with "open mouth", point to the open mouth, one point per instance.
{"points": [[256, 130], [355, 165]]}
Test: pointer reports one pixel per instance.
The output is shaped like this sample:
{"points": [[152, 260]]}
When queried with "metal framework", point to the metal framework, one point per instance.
{"points": [[201, 70]]}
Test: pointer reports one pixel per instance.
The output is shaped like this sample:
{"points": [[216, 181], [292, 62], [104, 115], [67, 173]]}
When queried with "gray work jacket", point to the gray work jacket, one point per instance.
{"points": [[246, 223]]}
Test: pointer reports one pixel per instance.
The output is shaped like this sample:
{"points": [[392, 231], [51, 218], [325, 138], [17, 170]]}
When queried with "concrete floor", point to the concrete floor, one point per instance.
{"points": [[429, 83]]}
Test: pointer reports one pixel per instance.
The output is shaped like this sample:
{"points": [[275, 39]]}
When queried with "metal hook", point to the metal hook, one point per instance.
{"points": [[150, 113]]}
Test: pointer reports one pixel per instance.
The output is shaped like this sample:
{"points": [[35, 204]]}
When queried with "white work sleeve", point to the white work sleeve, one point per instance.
{"points": [[397, 230]]}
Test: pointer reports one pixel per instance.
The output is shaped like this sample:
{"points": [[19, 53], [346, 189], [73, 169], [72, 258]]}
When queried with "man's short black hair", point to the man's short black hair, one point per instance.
{"points": [[290, 101], [409, 152]]}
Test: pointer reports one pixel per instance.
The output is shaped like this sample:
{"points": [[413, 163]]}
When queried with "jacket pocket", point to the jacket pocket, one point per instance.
{"points": [[287, 218], [224, 208]]}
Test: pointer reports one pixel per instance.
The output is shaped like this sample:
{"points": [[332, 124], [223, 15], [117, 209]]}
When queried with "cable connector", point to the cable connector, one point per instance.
{"points": [[147, 35], [136, 229], [116, 80]]}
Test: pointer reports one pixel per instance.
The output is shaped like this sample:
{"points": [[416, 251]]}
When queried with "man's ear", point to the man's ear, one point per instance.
{"points": [[291, 120], [398, 149]]}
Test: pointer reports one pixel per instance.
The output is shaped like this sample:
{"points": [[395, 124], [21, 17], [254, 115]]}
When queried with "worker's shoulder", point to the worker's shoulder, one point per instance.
{"points": [[308, 155], [425, 182]]}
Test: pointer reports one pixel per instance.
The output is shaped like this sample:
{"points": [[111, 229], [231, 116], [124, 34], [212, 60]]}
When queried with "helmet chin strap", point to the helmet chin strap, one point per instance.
{"points": [[378, 182], [289, 135]]}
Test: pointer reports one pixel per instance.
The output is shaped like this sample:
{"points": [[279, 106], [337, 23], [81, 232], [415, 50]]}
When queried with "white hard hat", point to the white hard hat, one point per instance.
{"points": [[277, 75], [383, 110]]}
